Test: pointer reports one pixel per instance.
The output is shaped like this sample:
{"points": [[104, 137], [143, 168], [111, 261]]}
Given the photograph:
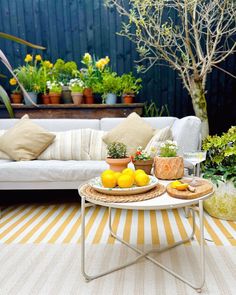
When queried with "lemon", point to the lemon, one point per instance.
{"points": [[117, 175], [136, 172], [109, 180], [181, 187], [125, 181], [142, 179], [128, 171], [108, 171], [175, 183]]}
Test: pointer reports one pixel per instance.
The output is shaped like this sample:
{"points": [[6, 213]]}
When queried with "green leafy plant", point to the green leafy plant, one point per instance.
{"points": [[168, 149], [116, 150], [54, 87], [220, 164], [63, 71], [151, 110], [110, 83], [129, 84]]}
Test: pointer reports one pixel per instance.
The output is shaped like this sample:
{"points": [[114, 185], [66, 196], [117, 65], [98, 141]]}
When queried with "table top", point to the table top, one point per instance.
{"points": [[162, 202]]}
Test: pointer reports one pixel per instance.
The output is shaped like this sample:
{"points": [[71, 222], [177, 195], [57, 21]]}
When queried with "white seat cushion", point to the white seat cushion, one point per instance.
{"points": [[48, 171]]}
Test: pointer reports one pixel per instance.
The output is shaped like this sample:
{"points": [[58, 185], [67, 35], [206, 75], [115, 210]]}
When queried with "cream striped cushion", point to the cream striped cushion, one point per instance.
{"points": [[69, 145], [159, 136], [2, 154], [98, 148]]}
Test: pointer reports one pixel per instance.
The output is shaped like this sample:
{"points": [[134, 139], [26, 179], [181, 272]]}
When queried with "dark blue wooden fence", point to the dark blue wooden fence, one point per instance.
{"points": [[69, 28]]}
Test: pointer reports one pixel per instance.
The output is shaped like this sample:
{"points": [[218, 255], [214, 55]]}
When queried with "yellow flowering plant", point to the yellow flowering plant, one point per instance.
{"points": [[29, 74], [13, 82]]}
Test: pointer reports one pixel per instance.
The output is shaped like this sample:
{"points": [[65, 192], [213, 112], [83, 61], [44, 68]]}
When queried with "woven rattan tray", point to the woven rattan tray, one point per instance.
{"points": [[92, 194]]}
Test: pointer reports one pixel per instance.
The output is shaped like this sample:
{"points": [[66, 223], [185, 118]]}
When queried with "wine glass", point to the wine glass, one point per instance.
{"points": [[194, 157]]}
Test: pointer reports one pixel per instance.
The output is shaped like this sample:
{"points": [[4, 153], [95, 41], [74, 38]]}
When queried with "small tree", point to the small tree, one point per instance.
{"points": [[192, 36]]}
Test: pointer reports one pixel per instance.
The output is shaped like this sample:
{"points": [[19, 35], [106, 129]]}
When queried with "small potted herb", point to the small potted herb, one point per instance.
{"points": [[130, 87], [110, 87], [142, 160], [168, 165], [54, 91], [117, 156]]}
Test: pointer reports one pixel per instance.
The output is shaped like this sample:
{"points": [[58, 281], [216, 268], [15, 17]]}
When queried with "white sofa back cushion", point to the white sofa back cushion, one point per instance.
{"points": [[56, 124]]}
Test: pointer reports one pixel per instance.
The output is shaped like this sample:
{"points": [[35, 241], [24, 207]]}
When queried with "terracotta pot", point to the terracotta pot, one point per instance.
{"points": [[118, 164], [77, 97], [16, 98], [145, 165], [168, 167], [128, 98], [88, 96], [46, 99], [55, 98]]}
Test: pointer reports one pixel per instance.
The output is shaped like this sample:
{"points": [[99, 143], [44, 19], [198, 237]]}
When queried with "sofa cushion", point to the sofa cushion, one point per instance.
{"points": [[48, 171], [133, 132], [2, 154], [159, 136], [97, 147], [25, 140]]}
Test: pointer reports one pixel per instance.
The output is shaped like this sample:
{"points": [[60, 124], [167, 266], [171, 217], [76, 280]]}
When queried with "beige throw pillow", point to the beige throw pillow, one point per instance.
{"points": [[159, 136], [133, 132], [25, 140]]}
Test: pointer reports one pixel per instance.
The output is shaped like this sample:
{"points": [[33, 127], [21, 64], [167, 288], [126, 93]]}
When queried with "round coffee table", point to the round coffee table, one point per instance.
{"points": [[159, 203]]}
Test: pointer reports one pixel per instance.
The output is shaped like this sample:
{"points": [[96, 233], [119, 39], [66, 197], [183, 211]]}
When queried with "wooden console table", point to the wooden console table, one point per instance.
{"points": [[83, 111]]}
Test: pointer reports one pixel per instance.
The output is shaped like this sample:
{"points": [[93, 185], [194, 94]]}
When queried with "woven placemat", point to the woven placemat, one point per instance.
{"points": [[92, 194]]}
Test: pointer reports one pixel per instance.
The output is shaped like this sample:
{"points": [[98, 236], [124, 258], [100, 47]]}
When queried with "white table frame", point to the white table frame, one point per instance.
{"points": [[141, 253]]}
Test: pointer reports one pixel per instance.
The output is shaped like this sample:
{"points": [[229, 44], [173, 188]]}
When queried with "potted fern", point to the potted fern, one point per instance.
{"points": [[117, 156]]}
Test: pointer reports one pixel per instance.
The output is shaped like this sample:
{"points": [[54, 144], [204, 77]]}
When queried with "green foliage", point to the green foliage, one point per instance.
{"points": [[151, 110], [76, 85], [168, 149], [64, 71], [221, 156], [141, 154], [54, 87], [5, 99], [129, 84], [116, 150]]}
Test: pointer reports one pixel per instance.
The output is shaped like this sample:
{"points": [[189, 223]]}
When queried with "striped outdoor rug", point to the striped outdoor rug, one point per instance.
{"points": [[60, 223]]}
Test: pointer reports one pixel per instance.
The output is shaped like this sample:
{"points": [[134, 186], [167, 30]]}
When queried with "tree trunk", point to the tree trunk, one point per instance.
{"points": [[200, 105]]}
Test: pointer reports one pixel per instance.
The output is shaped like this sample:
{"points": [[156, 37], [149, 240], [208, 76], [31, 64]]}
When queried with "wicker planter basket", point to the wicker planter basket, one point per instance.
{"points": [[168, 167]]}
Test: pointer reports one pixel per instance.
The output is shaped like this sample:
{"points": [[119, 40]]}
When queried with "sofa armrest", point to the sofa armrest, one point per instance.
{"points": [[186, 132]]}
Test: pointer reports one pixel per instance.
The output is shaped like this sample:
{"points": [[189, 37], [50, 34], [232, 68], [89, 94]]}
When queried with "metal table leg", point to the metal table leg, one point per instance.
{"points": [[146, 254]]}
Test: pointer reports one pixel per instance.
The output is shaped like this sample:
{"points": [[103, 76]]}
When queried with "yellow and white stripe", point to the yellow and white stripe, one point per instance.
{"points": [[59, 224]]}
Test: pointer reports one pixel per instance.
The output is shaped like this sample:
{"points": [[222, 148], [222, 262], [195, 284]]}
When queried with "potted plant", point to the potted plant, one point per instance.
{"points": [[220, 168], [110, 87], [117, 157], [168, 165], [16, 95], [142, 160], [130, 87], [45, 73], [76, 86], [54, 91], [29, 76]]}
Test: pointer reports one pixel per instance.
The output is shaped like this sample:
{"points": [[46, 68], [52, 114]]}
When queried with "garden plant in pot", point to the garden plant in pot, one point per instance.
{"points": [[220, 168], [29, 76], [142, 160], [130, 87], [16, 95], [77, 87], [54, 91], [168, 165], [110, 87], [45, 74], [117, 156]]}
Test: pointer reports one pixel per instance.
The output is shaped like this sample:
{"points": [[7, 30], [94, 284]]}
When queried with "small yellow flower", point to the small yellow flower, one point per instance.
{"points": [[13, 81], [47, 64], [87, 58], [107, 59], [38, 57], [28, 58], [51, 65]]}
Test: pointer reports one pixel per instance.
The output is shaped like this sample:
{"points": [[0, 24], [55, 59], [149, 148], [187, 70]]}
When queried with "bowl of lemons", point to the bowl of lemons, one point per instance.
{"points": [[127, 182]]}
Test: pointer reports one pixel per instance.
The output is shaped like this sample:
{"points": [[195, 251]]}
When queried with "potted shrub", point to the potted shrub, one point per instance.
{"points": [[16, 95], [130, 87], [29, 76], [76, 86], [220, 168], [117, 157], [168, 165], [142, 160], [54, 91], [110, 87]]}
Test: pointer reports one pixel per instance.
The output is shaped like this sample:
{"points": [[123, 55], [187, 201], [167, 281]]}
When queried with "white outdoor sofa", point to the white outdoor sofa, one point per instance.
{"points": [[54, 174]]}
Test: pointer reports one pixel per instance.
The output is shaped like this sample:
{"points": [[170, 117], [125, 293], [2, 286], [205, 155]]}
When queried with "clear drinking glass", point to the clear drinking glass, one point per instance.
{"points": [[194, 158]]}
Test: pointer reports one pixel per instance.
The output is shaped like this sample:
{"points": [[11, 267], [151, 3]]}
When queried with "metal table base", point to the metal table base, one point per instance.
{"points": [[146, 255]]}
